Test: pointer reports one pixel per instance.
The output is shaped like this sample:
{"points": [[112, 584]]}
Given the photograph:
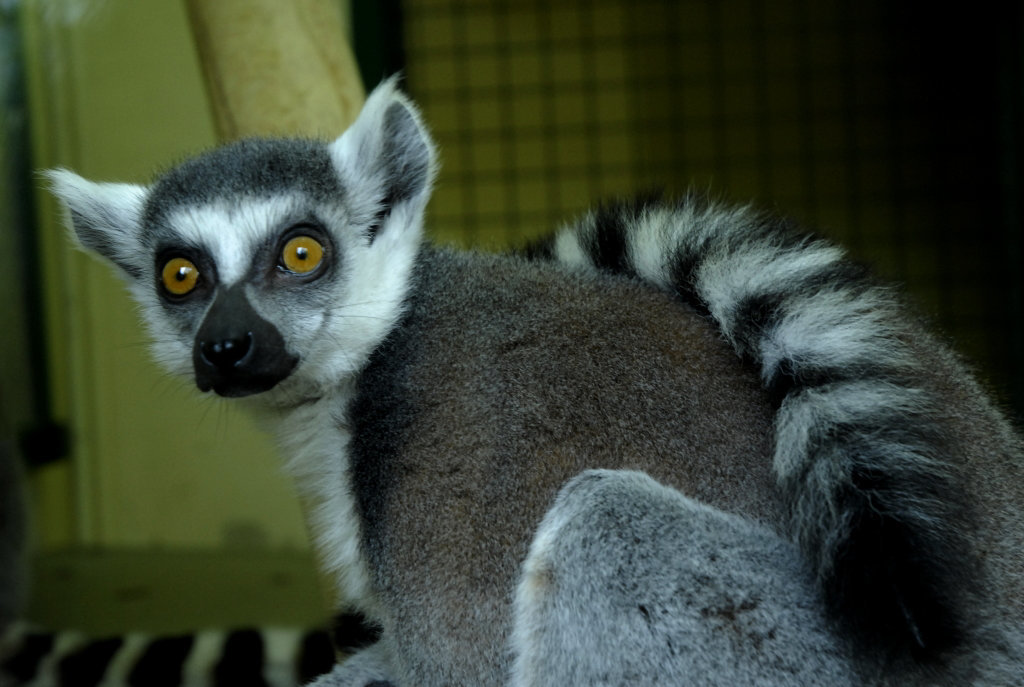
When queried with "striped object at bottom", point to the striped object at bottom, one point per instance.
{"points": [[266, 657]]}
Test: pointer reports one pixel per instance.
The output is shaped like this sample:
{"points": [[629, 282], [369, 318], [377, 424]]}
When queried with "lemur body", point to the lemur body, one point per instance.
{"points": [[840, 489], [469, 527]]}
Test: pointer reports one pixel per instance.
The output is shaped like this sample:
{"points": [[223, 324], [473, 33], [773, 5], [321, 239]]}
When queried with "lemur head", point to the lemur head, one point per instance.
{"points": [[270, 264]]}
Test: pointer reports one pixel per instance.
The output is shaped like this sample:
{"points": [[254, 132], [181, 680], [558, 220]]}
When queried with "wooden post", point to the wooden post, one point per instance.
{"points": [[276, 68]]}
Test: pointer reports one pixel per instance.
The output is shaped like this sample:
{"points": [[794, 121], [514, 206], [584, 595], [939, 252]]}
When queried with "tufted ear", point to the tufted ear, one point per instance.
{"points": [[104, 218], [387, 151]]}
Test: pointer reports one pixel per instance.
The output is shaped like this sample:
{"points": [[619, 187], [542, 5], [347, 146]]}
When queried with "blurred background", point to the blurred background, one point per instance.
{"points": [[893, 127]]}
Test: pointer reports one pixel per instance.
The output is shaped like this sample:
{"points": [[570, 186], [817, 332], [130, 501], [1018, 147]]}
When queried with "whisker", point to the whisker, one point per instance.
{"points": [[134, 345], [360, 304], [210, 403], [364, 317]]}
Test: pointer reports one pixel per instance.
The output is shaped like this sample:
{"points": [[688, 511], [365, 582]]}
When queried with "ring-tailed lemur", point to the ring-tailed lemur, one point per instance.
{"points": [[443, 413]]}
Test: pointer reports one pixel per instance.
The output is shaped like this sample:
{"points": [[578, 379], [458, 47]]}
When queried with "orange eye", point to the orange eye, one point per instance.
{"points": [[180, 276], [302, 254]]}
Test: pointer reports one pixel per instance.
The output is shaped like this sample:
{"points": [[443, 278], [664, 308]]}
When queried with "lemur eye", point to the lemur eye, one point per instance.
{"points": [[180, 276], [302, 254]]}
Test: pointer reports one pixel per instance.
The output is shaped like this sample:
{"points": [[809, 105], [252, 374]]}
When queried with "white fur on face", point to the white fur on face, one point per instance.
{"points": [[231, 231], [376, 281]]}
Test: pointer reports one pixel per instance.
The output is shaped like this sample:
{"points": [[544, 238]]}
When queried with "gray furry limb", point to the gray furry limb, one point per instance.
{"points": [[369, 667], [630, 582]]}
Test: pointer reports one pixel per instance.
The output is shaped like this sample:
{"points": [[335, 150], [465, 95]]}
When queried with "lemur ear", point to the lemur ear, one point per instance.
{"points": [[104, 218], [387, 151]]}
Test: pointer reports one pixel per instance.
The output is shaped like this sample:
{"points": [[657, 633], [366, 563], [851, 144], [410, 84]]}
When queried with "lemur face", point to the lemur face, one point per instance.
{"points": [[270, 266], [252, 282]]}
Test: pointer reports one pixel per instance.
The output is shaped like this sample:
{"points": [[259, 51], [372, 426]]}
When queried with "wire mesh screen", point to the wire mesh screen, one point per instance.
{"points": [[881, 126]]}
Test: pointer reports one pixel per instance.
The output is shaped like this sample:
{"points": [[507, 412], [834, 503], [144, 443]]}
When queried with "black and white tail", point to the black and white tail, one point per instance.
{"points": [[858, 445], [270, 657]]}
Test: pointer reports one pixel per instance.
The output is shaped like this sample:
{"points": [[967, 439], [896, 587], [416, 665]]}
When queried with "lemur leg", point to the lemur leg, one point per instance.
{"points": [[369, 667], [630, 582]]}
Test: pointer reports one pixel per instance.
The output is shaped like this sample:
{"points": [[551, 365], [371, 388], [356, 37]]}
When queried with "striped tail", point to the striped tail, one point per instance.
{"points": [[858, 444], [266, 657]]}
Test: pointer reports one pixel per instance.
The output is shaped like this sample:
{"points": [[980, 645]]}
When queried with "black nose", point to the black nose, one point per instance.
{"points": [[226, 353], [236, 352]]}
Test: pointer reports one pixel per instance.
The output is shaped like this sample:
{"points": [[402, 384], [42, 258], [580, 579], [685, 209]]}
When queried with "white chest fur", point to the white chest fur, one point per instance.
{"points": [[314, 442]]}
